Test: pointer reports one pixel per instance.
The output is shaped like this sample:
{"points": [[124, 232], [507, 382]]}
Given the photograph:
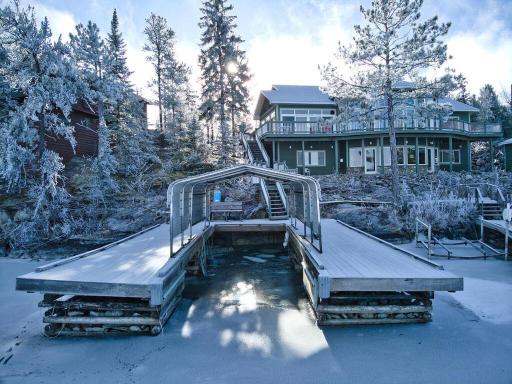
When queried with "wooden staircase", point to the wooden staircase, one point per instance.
{"points": [[491, 210], [256, 152], [277, 209]]}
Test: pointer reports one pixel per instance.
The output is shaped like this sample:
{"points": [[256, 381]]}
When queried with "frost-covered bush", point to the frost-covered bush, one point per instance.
{"points": [[445, 212]]}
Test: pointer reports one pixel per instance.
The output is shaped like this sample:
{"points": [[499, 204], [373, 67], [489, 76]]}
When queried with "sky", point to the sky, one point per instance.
{"points": [[286, 40]]}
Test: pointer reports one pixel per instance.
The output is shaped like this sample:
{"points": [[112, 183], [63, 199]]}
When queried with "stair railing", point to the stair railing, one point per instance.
{"points": [[247, 149], [266, 196]]}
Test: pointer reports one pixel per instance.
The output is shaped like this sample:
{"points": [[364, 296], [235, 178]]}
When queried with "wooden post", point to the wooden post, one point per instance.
{"points": [[347, 157], [417, 152], [470, 165], [429, 230], [381, 139], [450, 150], [303, 159], [336, 157], [506, 238], [273, 152]]}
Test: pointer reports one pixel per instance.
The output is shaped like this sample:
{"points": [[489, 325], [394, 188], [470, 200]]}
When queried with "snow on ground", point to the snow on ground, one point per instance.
{"points": [[487, 283], [249, 323]]}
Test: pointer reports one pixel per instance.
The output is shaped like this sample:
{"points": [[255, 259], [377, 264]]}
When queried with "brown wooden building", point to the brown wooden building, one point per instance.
{"points": [[85, 121]]}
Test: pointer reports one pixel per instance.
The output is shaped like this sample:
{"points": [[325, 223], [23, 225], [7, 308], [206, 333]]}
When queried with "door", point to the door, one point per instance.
{"points": [[431, 159], [370, 163]]}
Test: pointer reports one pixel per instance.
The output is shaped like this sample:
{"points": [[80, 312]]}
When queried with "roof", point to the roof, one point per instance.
{"points": [[457, 106], [312, 95], [506, 142], [293, 94]]}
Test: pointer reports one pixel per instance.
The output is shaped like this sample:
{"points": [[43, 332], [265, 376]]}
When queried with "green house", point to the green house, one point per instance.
{"points": [[301, 128]]}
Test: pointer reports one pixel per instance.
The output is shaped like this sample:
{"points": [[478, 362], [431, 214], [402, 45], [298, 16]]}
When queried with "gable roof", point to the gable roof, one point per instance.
{"points": [[458, 106], [292, 94]]}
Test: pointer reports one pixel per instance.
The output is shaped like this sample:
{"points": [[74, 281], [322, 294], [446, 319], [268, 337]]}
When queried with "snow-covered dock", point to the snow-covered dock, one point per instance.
{"points": [[139, 275], [135, 284]]}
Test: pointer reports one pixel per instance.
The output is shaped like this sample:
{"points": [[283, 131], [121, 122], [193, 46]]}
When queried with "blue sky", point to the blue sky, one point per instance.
{"points": [[286, 40]]}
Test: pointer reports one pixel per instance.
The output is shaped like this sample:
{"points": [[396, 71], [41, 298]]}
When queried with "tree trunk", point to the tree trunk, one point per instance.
{"points": [[395, 180]]}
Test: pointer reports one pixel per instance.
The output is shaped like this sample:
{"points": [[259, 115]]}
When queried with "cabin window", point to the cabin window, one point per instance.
{"points": [[312, 158], [445, 156], [355, 157], [422, 156], [400, 155]]}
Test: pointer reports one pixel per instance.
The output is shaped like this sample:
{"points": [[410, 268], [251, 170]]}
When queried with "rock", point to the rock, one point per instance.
{"points": [[22, 215]]}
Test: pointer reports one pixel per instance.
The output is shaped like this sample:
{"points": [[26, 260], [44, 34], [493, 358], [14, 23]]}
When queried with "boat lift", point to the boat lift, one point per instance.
{"points": [[424, 238]]}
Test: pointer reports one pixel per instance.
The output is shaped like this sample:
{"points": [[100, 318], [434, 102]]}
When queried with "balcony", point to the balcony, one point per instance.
{"points": [[301, 128]]}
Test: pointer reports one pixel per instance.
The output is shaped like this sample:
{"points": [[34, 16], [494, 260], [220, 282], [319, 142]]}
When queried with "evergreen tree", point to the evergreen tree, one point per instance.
{"points": [[99, 88], [393, 46], [218, 50], [117, 49], [159, 46], [41, 92], [491, 110], [461, 89], [238, 98]]}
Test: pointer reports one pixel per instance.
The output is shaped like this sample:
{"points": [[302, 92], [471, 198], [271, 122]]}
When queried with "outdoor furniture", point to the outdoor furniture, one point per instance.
{"points": [[226, 208]]}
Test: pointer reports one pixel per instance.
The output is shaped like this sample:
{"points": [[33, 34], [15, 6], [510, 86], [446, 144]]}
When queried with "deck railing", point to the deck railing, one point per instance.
{"points": [[330, 127]]}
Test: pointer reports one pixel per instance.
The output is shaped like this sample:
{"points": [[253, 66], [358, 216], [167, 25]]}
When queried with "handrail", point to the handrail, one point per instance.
{"points": [[247, 149], [266, 196], [333, 127], [282, 195], [263, 150]]}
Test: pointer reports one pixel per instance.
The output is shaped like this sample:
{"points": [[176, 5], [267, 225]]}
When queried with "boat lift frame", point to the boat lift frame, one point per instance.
{"points": [[180, 200]]}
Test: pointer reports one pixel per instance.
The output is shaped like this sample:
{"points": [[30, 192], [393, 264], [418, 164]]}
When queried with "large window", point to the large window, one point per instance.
{"points": [[312, 158], [444, 155], [355, 157], [302, 114]]}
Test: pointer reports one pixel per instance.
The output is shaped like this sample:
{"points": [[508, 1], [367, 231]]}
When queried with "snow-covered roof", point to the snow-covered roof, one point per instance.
{"points": [[457, 106], [506, 142], [293, 94]]}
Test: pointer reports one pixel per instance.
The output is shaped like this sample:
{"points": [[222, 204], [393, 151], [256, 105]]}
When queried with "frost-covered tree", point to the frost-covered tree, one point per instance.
{"points": [[98, 88], [117, 49], [394, 45], [40, 93], [218, 53], [238, 97], [159, 44]]}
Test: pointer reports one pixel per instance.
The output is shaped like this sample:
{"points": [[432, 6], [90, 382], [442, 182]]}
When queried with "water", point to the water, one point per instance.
{"points": [[249, 277]]}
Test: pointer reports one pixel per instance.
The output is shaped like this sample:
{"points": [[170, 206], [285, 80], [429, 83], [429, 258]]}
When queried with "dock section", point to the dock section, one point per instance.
{"points": [[133, 286]]}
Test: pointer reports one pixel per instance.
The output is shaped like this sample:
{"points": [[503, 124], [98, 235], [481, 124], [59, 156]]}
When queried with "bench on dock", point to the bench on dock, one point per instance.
{"points": [[226, 208]]}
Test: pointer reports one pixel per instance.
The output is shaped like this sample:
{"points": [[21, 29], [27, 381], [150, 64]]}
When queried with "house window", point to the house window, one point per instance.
{"points": [[387, 156], [411, 155], [445, 156], [312, 158], [400, 155], [422, 156], [355, 157]]}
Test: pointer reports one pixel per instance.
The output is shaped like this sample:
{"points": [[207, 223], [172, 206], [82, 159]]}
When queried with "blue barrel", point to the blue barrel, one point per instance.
{"points": [[217, 196]]}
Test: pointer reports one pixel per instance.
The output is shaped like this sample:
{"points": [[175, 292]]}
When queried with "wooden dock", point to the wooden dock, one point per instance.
{"points": [[133, 286]]}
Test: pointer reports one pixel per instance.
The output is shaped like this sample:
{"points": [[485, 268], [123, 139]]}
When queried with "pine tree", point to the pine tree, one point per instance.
{"points": [[41, 91], [117, 49], [461, 89], [98, 88], [393, 46], [218, 50], [238, 97], [160, 38]]}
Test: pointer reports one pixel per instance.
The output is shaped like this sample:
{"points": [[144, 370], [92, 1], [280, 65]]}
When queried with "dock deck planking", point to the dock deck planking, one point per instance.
{"points": [[351, 260]]}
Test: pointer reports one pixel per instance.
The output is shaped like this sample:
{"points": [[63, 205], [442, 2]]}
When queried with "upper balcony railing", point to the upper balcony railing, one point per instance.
{"points": [[330, 127]]}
